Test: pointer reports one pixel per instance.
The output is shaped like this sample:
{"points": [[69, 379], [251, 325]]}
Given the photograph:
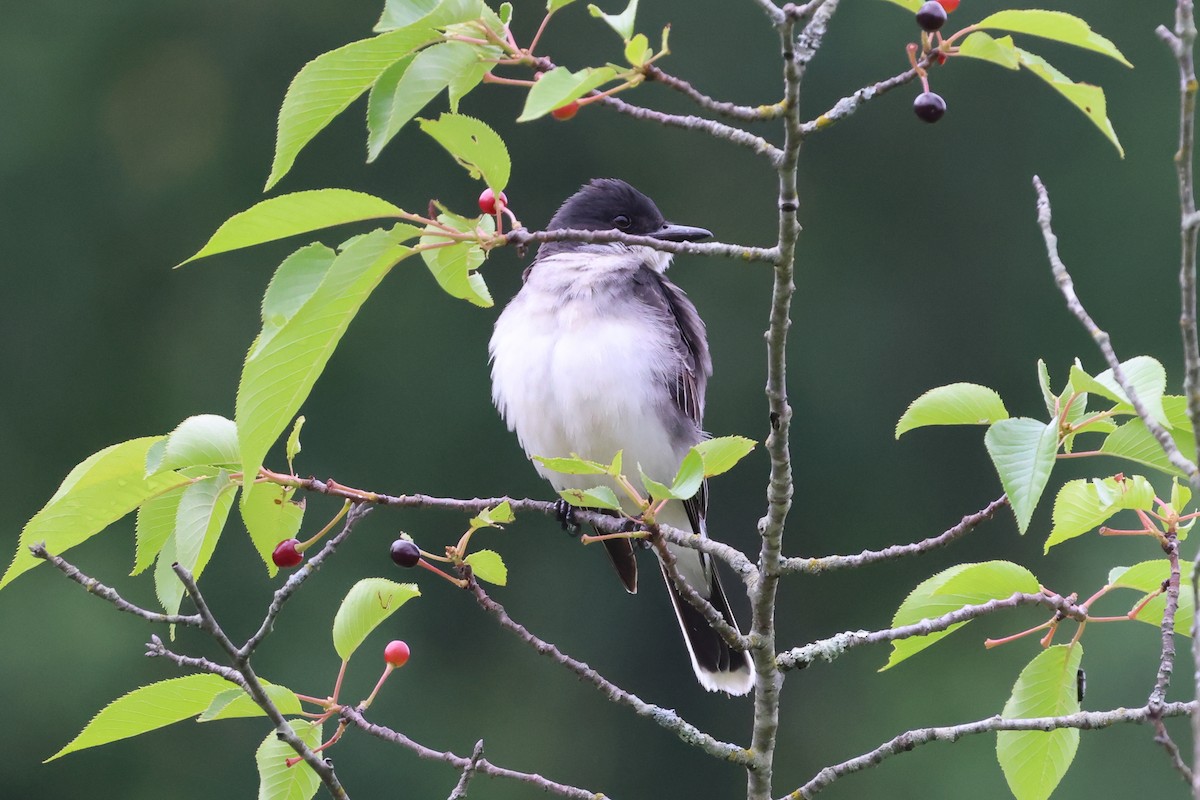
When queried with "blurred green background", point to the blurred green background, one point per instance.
{"points": [[132, 128]]}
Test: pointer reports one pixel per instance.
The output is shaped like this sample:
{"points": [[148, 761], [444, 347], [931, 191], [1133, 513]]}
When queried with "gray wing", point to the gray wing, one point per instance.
{"points": [[665, 298]]}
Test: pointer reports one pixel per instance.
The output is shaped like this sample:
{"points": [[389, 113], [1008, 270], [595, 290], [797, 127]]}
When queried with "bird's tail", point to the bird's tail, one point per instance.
{"points": [[718, 667]]}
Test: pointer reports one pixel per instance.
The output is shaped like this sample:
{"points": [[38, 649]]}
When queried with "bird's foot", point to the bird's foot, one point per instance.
{"points": [[564, 512]]}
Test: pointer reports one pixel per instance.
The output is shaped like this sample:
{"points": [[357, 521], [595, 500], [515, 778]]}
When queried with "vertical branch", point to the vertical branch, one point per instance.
{"points": [[1182, 43], [797, 51]]}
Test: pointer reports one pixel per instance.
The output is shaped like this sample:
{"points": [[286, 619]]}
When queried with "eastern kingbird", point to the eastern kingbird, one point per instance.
{"points": [[599, 352]]}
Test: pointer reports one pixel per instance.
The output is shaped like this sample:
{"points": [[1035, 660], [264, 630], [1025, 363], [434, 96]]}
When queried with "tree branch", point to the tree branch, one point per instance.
{"points": [[1083, 720], [712, 616], [725, 109], [834, 646], [687, 733], [851, 103], [354, 717], [522, 237], [814, 566], [468, 772], [97, 588], [1101, 338], [718, 130]]}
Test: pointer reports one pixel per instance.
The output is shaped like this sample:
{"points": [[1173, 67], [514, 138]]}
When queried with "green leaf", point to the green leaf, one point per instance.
{"points": [[505, 12], [1149, 576], [453, 266], [368, 603], [199, 521], [293, 348], [155, 523], [1145, 374], [1023, 452], [488, 566], [235, 703], [429, 73], [560, 86], [598, 497], [96, 493], [278, 781], [1055, 25], [555, 5], [621, 23], [721, 454], [1087, 98], [292, 214], [956, 404], [474, 145], [637, 50], [656, 490], [1134, 441], [270, 516], [494, 517], [1181, 495], [293, 441], [328, 84], [1083, 505], [909, 5], [573, 465], [203, 440], [146, 709], [1035, 761], [950, 590], [402, 13], [689, 477], [1000, 51]]}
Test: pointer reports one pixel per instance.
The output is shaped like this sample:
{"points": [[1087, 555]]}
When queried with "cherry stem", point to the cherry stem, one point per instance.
{"points": [[1080, 454], [387, 670], [316, 701], [1092, 419], [1107, 531], [990, 643], [590, 539], [537, 36], [459, 582], [490, 78], [300, 548]]}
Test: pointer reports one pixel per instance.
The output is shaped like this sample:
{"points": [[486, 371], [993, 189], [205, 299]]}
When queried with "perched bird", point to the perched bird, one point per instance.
{"points": [[600, 353]]}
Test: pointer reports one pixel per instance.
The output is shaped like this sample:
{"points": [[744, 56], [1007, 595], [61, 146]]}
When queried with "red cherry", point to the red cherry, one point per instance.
{"points": [[564, 113], [949, 5], [396, 653], [488, 203], [941, 57], [286, 555]]}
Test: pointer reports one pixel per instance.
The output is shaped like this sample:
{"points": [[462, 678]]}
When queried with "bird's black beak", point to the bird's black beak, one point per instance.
{"points": [[681, 233]]}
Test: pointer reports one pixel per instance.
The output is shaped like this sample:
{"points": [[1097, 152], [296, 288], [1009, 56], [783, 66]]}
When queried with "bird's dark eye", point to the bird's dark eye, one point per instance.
{"points": [[621, 221]]}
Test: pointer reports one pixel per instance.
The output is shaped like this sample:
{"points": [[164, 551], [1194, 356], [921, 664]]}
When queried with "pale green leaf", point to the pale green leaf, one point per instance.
{"points": [[328, 84], [1035, 761], [1000, 51], [429, 73], [1056, 25], [368, 603], [146, 709], [1048, 396], [950, 590], [1150, 576], [1134, 441], [505, 12], [430, 13], [155, 523], [270, 516], [1023, 452], [494, 517], [453, 267], [1181, 495], [956, 404], [599, 497], [467, 79], [290, 354], [1087, 98], [555, 5], [474, 145], [689, 477], [721, 454], [621, 23], [293, 440], [96, 493], [197, 441], [637, 50], [560, 86], [235, 703], [1083, 505], [199, 520], [656, 490], [573, 465], [1145, 374], [908, 5], [488, 566], [292, 214], [278, 781]]}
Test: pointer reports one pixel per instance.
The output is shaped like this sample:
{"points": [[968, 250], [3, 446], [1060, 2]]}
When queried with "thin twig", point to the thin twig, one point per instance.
{"points": [[665, 717], [725, 109], [830, 563], [851, 103], [468, 772], [97, 588], [523, 237], [1083, 720], [718, 130], [1100, 337], [834, 646], [484, 767]]}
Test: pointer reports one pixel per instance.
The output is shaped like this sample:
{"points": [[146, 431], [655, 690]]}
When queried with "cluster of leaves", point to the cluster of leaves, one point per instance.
{"points": [[208, 698], [1054, 25], [1024, 452]]}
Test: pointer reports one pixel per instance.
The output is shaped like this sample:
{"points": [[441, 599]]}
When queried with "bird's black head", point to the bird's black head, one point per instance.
{"points": [[604, 204]]}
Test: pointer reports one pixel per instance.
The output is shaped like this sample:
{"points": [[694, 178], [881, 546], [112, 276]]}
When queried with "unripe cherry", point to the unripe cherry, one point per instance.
{"points": [[396, 653], [488, 202], [564, 113]]}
